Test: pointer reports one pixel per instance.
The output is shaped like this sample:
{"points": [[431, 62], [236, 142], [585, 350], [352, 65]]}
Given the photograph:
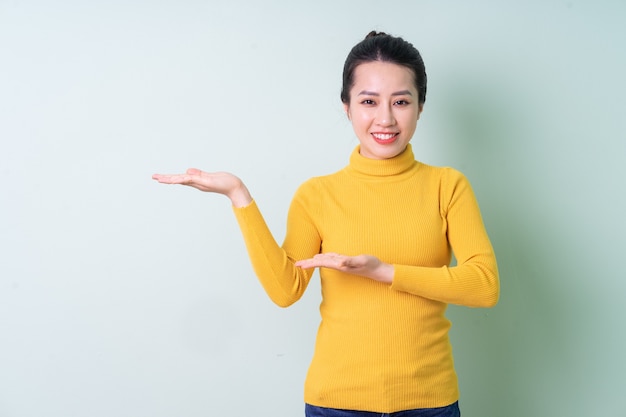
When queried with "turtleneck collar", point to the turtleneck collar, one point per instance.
{"points": [[367, 167]]}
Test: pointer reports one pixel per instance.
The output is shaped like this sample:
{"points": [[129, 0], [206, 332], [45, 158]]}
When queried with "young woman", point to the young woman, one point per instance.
{"points": [[382, 231]]}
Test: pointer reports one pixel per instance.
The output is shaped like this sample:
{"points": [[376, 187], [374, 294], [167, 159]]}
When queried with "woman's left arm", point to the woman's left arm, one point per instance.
{"points": [[473, 282]]}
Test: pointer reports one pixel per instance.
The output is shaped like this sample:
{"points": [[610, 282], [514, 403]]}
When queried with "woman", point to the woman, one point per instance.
{"points": [[382, 231]]}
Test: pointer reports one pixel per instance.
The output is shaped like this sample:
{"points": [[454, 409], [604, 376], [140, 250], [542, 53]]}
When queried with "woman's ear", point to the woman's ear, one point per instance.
{"points": [[346, 109]]}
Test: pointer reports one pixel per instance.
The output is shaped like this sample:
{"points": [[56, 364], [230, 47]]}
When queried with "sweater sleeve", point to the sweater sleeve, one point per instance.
{"points": [[474, 281], [274, 265]]}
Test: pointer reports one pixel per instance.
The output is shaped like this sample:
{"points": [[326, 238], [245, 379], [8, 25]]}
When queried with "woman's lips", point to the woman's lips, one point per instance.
{"points": [[384, 138]]}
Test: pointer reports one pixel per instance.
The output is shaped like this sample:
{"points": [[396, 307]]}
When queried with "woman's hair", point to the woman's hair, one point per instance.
{"points": [[378, 46]]}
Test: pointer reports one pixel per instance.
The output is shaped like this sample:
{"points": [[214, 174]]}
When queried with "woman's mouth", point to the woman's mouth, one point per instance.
{"points": [[384, 138]]}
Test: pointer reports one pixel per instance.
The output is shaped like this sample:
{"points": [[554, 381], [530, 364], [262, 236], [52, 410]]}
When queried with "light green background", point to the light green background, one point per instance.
{"points": [[121, 297]]}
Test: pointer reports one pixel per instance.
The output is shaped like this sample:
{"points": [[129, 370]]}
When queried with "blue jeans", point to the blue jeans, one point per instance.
{"points": [[450, 411]]}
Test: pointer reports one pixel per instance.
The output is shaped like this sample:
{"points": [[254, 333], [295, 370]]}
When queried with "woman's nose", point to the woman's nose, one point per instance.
{"points": [[384, 117]]}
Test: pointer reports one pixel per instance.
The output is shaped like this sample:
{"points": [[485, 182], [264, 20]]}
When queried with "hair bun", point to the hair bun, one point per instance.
{"points": [[374, 34]]}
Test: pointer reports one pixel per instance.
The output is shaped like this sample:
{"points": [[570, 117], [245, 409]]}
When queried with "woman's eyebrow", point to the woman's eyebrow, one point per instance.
{"points": [[397, 93]]}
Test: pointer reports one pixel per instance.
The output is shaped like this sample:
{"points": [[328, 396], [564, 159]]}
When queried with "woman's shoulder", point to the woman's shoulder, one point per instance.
{"points": [[325, 178], [443, 173], [319, 183]]}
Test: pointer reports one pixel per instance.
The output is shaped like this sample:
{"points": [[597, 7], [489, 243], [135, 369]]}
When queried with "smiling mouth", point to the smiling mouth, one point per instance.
{"points": [[384, 137]]}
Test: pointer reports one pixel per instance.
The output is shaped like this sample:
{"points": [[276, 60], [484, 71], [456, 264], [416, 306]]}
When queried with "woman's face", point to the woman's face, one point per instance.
{"points": [[384, 108]]}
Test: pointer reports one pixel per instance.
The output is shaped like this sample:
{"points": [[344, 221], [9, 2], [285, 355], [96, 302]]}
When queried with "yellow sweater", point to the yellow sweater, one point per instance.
{"points": [[381, 347]]}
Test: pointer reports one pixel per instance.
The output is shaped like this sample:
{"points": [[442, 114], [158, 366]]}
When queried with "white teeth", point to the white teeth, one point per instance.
{"points": [[384, 136]]}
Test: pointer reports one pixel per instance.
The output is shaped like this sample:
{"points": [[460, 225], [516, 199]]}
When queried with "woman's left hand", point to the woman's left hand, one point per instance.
{"points": [[365, 265]]}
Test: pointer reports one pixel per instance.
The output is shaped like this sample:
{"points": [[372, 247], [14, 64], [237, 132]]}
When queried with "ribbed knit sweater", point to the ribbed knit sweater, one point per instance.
{"points": [[381, 347]]}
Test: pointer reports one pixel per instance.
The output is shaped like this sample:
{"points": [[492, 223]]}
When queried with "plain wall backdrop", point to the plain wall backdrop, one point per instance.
{"points": [[123, 297]]}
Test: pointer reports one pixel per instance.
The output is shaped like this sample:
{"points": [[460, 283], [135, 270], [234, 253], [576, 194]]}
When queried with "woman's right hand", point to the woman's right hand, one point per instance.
{"points": [[213, 182]]}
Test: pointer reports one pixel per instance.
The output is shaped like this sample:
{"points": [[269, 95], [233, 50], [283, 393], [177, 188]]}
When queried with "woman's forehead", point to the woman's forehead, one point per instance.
{"points": [[378, 77]]}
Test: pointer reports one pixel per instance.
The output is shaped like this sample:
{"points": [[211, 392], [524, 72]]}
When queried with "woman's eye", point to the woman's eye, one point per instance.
{"points": [[402, 102], [368, 102]]}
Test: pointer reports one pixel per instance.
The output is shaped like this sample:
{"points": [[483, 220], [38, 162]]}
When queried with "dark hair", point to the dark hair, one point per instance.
{"points": [[379, 46]]}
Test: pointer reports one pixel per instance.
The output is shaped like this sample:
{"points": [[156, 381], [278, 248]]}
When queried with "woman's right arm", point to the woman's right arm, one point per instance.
{"points": [[274, 265]]}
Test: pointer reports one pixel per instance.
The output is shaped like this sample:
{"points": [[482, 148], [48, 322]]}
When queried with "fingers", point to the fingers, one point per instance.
{"points": [[161, 178], [327, 260], [171, 179], [188, 177]]}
